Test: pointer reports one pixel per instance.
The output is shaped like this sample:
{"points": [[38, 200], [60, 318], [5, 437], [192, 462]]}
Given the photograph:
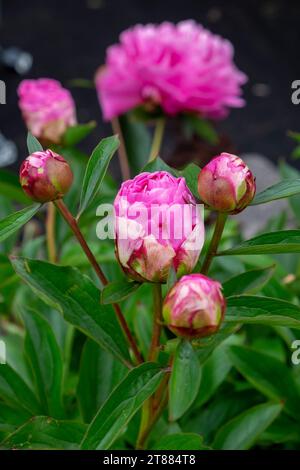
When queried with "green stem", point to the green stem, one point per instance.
{"points": [[153, 353], [50, 232], [123, 158], [212, 250], [157, 139], [71, 221]]}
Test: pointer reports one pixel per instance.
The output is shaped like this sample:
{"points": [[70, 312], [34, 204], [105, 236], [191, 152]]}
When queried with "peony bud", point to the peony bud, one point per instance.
{"points": [[194, 307], [48, 109], [45, 176], [157, 225], [226, 184]]}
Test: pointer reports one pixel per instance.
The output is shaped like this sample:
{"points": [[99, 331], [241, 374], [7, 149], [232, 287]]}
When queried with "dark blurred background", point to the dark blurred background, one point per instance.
{"points": [[68, 39]]}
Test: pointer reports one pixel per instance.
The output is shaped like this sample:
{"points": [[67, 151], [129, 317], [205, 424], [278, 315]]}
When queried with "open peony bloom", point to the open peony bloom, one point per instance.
{"points": [[180, 68], [48, 109], [194, 307], [45, 176], [226, 184], [157, 225]]}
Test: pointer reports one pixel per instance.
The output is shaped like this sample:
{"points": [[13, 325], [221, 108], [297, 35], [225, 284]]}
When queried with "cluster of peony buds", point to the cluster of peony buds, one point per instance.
{"points": [[158, 225]]}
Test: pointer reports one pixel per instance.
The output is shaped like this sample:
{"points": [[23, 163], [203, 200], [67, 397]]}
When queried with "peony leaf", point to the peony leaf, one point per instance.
{"points": [[99, 373], [77, 299], [242, 431], [184, 441], [248, 282], [268, 375], [283, 189], [46, 361], [33, 145], [125, 400], [15, 221], [76, 134], [43, 432], [262, 311], [114, 292], [185, 380], [284, 241], [96, 169]]}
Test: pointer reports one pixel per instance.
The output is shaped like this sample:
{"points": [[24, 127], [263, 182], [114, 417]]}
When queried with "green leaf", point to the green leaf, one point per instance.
{"points": [[201, 127], [126, 399], [15, 221], [214, 372], [42, 432], [206, 346], [15, 392], [137, 141], [114, 292], [283, 189], [262, 311], [268, 375], [184, 441], [184, 381], [285, 241], [99, 373], [248, 282], [33, 145], [172, 277], [76, 134], [191, 173], [11, 418], [159, 165], [10, 187], [241, 432], [290, 173], [96, 169], [45, 359], [77, 299]]}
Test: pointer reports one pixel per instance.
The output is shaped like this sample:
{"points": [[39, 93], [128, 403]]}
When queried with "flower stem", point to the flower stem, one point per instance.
{"points": [[147, 414], [123, 158], [212, 250], [157, 138], [50, 232], [71, 221]]}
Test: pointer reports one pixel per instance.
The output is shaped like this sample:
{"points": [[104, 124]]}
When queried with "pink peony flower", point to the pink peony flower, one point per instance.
{"points": [[194, 307], [45, 176], [157, 225], [226, 184], [48, 109], [181, 68]]}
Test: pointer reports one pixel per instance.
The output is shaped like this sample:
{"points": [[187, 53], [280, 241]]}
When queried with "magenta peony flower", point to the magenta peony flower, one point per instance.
{"points": [[194, 307], [157, 225], [226, 184], [45, 176], [48, 109], [181, 68]]}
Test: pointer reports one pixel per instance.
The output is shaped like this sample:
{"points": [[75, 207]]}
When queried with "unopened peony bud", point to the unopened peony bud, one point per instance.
{"points": [[48, 109], [158, 225], [194, 307], [226, 184], [45, 176]]}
